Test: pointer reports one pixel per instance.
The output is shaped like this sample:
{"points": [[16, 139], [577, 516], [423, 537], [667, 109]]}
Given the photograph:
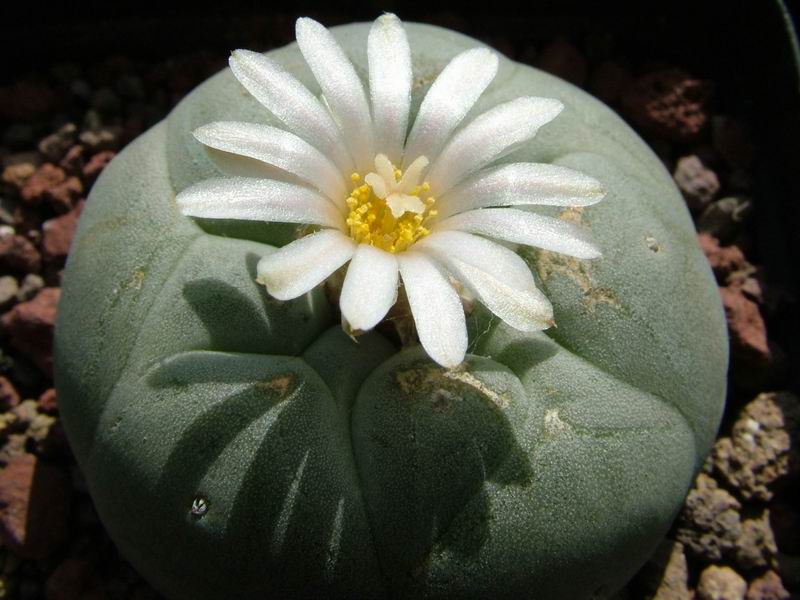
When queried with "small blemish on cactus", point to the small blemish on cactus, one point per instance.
{"points": [[652, 243], [199, 507]]}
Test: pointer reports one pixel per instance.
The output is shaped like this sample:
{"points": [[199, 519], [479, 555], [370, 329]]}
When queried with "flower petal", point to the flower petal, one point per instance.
{"points": [[370, 287], [450, 98], [258, 200], [412, 175], [436, 307], [522, 227], [483, 254], [342, 88], [522, 184], [279, 148], [298, 267], [491, 135], [496, 276], [389, 84], [384, 168], [378, 184], [291, 102]]}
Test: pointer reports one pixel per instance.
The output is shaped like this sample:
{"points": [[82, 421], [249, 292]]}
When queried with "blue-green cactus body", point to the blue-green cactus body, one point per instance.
{"points": [[549, 467]]}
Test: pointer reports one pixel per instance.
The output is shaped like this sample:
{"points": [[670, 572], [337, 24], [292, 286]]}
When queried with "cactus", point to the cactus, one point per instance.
{"points": [[237, 446]]}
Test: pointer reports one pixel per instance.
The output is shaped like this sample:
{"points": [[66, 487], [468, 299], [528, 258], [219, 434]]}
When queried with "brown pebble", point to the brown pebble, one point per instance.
{"points": [[755, 548], [48, 402], [16, 175], [709, 525], [747, 328], [18, 254], [40, 182], [97, 163], [762, 447], [9, 398], [34, 506], [55, 145], [29, 328], [767, 587], [723, 260], [721, 583], [73, 160], [698, 184], [57, 235]]}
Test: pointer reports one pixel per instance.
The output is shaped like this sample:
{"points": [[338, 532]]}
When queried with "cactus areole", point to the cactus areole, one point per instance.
{"points": [[340, 327]]}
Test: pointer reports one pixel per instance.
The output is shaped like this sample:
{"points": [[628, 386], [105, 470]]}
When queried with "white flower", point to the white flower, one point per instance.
{"points": [[415, 207]]}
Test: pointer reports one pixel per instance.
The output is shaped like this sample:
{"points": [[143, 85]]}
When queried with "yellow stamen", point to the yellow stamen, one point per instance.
{"points": [[370, 220]]}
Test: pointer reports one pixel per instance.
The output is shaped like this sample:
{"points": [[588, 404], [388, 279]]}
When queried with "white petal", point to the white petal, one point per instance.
{"points": [[378, 184], [522, 227], [342, 88], [279, 148], [291, 102], [370, 287], [298, 267], [495, 277], [258, 200], [412, 175], [436, 307], [483, 254], [450, 98], [389, 84], [384, 168], [522, 184], [491, 135], [402, 203], [525, 310]]}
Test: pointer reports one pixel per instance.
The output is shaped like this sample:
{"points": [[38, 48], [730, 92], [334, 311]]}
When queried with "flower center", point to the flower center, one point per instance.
{"points": [[386, 210]]}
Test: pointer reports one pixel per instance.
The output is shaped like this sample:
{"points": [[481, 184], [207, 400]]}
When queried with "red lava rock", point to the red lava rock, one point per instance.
{"points": [[73, 160], [669, 103], [48, 402], [564, 60], [62, 196], [767, 587], [746, 326], [29, 328], [608, 80], [25, 100], [57, 235], [723, 260], [697, 183], [52, 184], [34, 506], [9, 398], [97, 163], [44, 179], [18, 254]]}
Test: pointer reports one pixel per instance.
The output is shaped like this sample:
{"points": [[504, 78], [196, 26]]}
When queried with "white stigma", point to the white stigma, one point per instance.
{"points": [[399, 194]]}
